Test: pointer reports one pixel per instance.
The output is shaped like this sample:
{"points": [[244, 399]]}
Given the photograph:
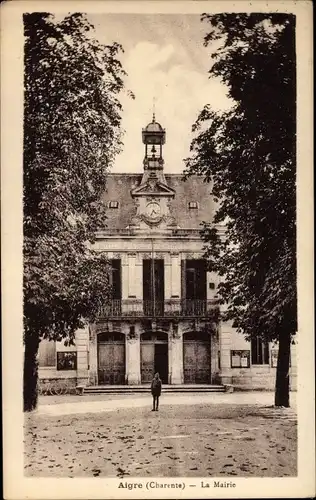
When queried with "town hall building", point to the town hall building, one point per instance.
{"points": [[164, 311]]}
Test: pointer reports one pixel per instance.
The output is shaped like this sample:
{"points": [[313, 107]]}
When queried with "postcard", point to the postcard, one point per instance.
{"points": [[157, 250]]}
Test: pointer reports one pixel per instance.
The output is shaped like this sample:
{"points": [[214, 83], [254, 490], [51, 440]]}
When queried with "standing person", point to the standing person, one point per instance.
{"points": [[156, 391]]}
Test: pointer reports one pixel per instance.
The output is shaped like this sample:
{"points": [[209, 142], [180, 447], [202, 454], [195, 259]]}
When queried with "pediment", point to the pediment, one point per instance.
{"points": [[153, 188]]}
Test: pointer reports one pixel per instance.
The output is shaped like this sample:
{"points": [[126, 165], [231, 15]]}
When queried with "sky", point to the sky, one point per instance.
{"points": [[166, 61]]}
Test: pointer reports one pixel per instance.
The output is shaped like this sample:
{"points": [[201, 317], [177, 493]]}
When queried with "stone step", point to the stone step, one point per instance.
{"points": [[132, 389]]}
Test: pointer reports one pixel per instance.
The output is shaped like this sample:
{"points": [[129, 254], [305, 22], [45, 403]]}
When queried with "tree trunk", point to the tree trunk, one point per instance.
{"points": [[282, 385], [30, 376]]}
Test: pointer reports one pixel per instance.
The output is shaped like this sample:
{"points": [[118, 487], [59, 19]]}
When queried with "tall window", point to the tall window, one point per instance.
{"points": [[116, 279], [259, 352], [193, 293], [47, 353], [194, 277], [153, 286]]}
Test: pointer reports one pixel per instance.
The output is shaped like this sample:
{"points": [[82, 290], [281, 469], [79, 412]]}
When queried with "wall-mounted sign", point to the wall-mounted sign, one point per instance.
{"points": [[240, 359], [67, 360]]}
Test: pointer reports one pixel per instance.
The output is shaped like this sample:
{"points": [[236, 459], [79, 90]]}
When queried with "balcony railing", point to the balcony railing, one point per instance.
{"points": [[167, 308]]}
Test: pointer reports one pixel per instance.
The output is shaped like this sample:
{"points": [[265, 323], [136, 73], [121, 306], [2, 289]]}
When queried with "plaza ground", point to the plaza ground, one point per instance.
{"points": [[200, 435]]}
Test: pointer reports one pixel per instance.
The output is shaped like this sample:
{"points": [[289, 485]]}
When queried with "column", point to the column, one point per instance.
{"points": [[133, 357], [176, 354], [224, 345], [82, 342]]}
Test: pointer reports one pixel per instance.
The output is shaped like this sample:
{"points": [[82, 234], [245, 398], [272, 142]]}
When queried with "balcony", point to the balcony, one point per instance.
{"points": [[173, 308]]}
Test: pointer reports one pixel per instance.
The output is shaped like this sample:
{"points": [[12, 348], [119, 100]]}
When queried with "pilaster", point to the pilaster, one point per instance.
{"points": [[175, 354], [82, 342], [133, 273], [168, 280], [175, 275], [215, 357], [133, 356], [139, 278], [93, 356], [125, 277], [225, 345]]}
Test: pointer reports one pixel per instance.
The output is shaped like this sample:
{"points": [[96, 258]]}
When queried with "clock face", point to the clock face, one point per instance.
{"points": [[153, 210]]}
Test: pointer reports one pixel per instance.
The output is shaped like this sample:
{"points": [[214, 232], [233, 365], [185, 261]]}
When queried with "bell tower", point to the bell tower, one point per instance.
{"points": [[153, 195], [154, 137]]}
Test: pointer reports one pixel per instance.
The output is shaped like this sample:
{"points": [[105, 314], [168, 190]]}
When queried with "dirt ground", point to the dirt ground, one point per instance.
{"points": [[189, 440]]}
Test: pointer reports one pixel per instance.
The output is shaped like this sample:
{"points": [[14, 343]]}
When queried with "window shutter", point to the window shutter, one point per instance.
{"points": [[183, 273], [47, 353]]}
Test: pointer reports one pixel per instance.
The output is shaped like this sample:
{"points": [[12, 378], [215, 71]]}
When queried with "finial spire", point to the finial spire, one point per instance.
{"points": [[154, 109]]}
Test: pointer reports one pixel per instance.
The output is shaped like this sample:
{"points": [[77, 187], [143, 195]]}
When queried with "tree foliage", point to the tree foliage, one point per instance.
{"points": [[72, 116], [248, 155]]}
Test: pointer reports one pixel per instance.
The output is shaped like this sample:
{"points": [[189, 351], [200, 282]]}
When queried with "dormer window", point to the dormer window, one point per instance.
{"points": [[113, 204], [193, 205]]}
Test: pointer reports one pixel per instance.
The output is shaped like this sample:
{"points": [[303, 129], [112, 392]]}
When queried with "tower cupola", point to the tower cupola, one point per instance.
{"points": [[154, 136]]}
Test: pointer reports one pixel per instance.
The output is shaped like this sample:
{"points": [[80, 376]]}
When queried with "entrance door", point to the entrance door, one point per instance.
{"points": [[111, 359], [153, 287], [147, 362], [196, 359], [154, 356], [161, 361]]}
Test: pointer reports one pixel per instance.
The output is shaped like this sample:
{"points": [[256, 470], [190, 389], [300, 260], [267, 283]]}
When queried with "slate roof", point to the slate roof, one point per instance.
{"points": [[119, 187]]}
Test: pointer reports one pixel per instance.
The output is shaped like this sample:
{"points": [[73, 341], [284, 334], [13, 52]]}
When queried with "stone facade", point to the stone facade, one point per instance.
{"points": [[259, 377], [157, 320]]}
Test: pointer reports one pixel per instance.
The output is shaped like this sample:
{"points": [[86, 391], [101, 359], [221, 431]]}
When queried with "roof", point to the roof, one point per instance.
{"points": [[153, 127], [119, 187]]}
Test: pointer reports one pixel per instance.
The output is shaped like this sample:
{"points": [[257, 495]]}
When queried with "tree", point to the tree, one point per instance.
{"points": [[248, 155], [71, 136]]}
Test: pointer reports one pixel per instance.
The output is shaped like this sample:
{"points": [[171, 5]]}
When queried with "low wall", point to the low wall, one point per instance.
{"points": [[52, 381], [259, 378]]}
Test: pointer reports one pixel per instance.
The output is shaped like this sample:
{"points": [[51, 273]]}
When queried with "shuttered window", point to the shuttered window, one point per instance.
{"points": [[47, 353]]}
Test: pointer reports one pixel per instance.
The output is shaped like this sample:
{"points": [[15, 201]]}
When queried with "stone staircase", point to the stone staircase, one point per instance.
{"points": [[136, 389]]}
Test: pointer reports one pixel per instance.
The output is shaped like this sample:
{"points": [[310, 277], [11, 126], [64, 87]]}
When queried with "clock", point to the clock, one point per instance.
{"points": [[153, 210]]}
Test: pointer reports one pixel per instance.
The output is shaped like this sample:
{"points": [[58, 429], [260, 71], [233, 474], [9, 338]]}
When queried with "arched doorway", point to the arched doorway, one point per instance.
{"points": [[154, 356], [111, 358], [197, 358]]}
